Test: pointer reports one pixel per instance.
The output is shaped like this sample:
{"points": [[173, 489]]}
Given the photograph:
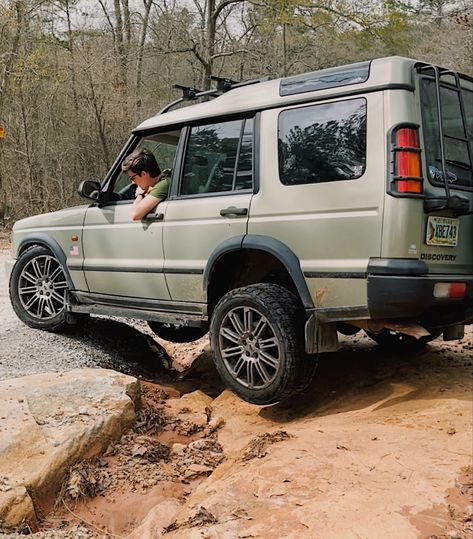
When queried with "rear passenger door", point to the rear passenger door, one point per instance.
{"points": [[209, 204]]}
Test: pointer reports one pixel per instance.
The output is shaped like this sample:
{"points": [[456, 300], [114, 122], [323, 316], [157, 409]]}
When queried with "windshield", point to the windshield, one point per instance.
{"points": [[457, 131]]}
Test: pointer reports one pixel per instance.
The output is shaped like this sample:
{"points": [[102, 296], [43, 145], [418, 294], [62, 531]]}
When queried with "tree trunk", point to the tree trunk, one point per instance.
{"points": [[19, 9], [139, 68], [120, 42], [210, 31]]}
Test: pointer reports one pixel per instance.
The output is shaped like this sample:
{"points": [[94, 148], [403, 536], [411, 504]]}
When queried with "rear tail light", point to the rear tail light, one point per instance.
{"points": [[450, 290], [406, 169]]}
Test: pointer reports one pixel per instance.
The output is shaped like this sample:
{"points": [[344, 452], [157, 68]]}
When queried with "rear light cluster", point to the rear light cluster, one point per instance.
{"points": [[407, 171], [450, 290]]}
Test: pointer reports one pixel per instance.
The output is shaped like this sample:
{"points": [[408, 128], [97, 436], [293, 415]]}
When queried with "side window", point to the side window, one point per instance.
{"points": [[163, 146], [322, 143], [219, 158], [244, 173]]}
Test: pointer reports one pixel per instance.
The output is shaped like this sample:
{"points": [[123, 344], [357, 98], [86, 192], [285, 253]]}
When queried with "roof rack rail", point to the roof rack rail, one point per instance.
{"points": [[190, 93], [223, 84]]}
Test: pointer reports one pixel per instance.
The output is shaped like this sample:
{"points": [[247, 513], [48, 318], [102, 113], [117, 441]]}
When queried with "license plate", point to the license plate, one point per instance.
{"points": [[442, 231]]}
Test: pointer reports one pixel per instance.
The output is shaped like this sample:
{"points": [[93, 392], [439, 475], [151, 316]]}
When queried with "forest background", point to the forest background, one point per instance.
{"points": [[77, 75]]}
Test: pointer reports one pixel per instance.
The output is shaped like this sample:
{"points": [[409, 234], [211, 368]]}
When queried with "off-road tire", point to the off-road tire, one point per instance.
{"points": [[279, 309], [179, 334], [395, 340], [38, 278]]}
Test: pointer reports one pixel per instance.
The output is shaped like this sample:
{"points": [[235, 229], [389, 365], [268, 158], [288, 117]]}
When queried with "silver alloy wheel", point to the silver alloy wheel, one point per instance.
{"points": [[42, 287], [249, 347]]}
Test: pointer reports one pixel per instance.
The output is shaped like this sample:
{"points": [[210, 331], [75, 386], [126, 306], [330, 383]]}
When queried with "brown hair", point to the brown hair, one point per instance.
{"points": [[142, 160]]}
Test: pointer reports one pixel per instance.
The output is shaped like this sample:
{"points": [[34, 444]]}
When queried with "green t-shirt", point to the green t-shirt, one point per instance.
{"points": [[161, 189]]}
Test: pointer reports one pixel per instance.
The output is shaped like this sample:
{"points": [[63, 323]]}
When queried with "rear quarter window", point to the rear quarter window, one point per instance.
{"points": [[322, 143]]}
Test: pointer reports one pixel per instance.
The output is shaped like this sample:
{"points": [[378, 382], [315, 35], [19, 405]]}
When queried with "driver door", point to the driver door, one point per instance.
{"points": [[123, 257]]}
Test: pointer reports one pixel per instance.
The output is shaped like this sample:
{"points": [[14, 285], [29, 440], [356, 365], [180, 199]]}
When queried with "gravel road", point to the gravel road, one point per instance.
{"points": [[371, 420], [102, 342]]}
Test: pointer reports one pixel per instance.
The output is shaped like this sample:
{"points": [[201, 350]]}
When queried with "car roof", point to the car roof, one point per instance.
{"points": [[393, 70]]}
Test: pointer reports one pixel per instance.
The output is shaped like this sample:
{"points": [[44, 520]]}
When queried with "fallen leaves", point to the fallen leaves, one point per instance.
{"points": [[202, 517], [257, 448]]}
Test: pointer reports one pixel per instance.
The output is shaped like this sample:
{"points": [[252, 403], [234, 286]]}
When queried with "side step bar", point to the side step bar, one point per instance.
{"points": [[179, 319]]}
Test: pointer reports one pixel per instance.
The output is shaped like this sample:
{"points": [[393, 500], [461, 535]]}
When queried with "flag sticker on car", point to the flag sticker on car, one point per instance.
{"points": [[74, 250], [442, 231]]}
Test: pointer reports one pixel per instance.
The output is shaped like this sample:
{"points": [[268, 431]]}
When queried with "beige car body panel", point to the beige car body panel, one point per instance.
{"points": [[332, 227], [124, 257], [193, 228], [60, 226]]}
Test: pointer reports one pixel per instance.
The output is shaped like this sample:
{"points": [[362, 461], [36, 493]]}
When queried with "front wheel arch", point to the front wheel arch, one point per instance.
{"points": [[46, 241]]}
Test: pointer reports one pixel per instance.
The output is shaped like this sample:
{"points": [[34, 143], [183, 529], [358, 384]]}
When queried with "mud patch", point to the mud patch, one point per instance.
{"points": [[168, 452]]}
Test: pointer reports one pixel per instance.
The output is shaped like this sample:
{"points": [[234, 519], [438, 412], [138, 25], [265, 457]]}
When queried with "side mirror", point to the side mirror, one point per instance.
{"points": [[90, 190]]}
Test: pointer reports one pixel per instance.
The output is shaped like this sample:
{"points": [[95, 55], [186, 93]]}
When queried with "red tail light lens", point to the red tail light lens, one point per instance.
{"points": [[407, 137], [450, 290], [407, 165]]}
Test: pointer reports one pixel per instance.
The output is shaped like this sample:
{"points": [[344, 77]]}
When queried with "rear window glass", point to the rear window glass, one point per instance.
{"points": [[456, 132], [322, 143], [326, 78]]}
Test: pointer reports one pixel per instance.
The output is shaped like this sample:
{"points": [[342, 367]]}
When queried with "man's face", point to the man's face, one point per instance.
{"points": [[139, 178]]}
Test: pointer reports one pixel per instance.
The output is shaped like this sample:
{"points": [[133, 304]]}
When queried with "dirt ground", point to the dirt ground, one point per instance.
{"points": [[379, 446]]}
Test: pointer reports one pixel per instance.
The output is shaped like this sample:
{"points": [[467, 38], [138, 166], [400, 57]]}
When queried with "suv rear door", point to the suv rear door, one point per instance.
{"points": [[447, 124], [210, 203]]}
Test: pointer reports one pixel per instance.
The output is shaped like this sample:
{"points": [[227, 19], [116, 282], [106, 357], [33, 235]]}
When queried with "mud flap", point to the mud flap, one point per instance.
{"points": [[320, 337]]}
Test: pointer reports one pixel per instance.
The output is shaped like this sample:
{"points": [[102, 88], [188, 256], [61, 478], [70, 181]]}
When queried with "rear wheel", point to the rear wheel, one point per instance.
{"points": [[257, 341], [38, 288], [393, 339], [175, 333]]}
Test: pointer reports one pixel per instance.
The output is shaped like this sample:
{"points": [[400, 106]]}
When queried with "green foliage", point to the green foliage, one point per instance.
{"points": [[69, 95]]}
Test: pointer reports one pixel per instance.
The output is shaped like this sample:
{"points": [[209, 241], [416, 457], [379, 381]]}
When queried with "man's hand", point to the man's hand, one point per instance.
{"points": [[139, 191]]}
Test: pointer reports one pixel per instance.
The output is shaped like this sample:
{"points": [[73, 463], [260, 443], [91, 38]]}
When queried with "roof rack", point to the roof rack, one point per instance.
{"points": [[190, 93], [223, 84]]}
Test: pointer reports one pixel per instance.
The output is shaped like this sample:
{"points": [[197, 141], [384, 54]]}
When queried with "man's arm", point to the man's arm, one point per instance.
{"points": [[142, 205]]}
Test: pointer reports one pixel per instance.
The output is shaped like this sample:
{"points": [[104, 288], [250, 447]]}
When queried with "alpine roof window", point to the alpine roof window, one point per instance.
{"points": [[325, 78]]}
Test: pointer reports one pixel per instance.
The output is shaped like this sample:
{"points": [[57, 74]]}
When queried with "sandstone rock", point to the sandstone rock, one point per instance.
{"points": [[161, 516], [178, 449], [191, 412], [44, 431]]}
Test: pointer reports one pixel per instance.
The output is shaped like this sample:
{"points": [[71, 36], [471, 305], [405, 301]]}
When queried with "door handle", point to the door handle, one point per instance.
{"points": [[154, 217], [232, 210]]}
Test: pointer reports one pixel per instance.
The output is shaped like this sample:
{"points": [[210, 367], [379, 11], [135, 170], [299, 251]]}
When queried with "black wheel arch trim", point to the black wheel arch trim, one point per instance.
{"points": [[277, 248], [44, 240]]}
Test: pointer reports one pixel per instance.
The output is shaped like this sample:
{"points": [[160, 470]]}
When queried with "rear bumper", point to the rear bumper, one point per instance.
{"points": [[403, 289]]}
